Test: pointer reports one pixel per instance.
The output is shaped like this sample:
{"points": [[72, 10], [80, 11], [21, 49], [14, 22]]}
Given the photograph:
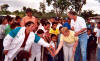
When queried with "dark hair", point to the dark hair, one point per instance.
{"points": [[40, 31], [28, 23], [46, 23], [53, 35], [60, 27], [72, 12], [28, 10], [17, 17], [54, 23], [42, 21], [98, 23]]}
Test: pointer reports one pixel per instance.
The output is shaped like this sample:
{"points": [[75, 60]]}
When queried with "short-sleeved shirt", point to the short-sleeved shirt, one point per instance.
{"points": [[69, 39], [56, 32], [2, 31], [98, 32], [78, 24], [26, 19]]}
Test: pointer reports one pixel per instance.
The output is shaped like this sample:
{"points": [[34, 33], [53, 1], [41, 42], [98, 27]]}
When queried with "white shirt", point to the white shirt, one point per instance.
{"points": [[78, 24], [41, 27], [98, 32], [2, 31], [53, 44], [59, 25]]}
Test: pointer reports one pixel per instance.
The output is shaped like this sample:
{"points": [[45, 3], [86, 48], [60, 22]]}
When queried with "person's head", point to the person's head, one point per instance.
{"points": [[88, 20], [29, 12], [46, 25], [98, 25], [18, 19], [53, 37], [65, 31], [54, 25], [68, 20], [10, 21], [30, 26], [72, 14], [52, 19], [4, 20], [89, 31], [60, 29], [40, 33]]}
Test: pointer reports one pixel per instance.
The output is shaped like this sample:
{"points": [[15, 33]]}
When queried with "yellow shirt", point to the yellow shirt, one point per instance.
{"points": [[69, 39], [56, 32]]}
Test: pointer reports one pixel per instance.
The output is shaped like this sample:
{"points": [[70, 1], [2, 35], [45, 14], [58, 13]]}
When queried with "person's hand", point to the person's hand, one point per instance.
{"points": [[51, 50], [5, 52], [56, 52], [76, 33], [74, 49]]}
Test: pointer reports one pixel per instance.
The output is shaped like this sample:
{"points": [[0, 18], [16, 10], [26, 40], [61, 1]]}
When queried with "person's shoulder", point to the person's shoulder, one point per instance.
{"points": [[81, 18], [72, 32]]}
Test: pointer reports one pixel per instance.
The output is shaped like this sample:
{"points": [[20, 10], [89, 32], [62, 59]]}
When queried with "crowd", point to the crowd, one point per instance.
{"points": [[54, 39]]}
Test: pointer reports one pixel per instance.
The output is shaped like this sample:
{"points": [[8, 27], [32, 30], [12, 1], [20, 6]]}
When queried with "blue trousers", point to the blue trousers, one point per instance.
{"points": [[81, 47], [98, 54]]}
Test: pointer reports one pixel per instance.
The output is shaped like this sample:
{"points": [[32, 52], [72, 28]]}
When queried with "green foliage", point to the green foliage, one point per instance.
{"points": [[4, 7], [86, 14]]}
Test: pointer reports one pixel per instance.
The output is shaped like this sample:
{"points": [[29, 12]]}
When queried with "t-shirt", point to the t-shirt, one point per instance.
{"points": [[56, 32], [69, 39], [78, 24], [2, 31], [98, 32]]}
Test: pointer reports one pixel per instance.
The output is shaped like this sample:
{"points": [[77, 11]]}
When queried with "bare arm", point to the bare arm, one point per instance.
{"points": [[59, 47], [81, 31]]}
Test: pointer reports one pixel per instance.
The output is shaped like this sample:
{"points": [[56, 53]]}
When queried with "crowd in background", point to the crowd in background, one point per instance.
{"points": [[70, 38]]}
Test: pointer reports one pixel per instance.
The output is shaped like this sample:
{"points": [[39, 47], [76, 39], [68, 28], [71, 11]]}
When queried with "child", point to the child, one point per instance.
{"points": [[54, 44], [54, 29]]}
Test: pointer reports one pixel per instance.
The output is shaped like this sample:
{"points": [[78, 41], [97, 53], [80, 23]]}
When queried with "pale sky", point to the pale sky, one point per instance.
{"points": [[18, 5]]}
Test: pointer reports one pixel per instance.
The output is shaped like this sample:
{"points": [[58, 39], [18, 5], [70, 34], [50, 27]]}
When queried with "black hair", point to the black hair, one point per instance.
{"points": [[72, 12], [53, 35], [98, 23], [46, 23], [28, 23], [42, 21], [60, 27], [28, 10], [17, 17], [54, 23], [40, 31]]}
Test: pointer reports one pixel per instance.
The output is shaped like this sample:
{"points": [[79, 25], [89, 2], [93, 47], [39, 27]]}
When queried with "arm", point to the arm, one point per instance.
{"points": [[81, 31], [59, 47]]}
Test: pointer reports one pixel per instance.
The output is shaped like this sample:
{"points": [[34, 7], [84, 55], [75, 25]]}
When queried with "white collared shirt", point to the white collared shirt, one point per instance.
{"points": [[78, 24]]}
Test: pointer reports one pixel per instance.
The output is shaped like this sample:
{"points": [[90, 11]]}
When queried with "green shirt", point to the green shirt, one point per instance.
{"points": [[7, 29]]}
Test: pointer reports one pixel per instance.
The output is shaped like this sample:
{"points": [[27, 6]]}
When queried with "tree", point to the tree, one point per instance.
{"points": [[42, 7], [88, 13], [77, 5], [59, 5], [4, 7]]}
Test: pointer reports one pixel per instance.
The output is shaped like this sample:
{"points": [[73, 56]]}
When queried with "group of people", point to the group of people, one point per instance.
{"points": [[55, 39]]}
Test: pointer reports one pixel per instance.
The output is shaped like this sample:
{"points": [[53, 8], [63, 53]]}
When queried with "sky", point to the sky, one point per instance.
{"points": [[18, 5]]}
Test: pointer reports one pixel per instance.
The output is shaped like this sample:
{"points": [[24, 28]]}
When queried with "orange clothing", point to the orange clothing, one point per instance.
{"points": [[26, 19]]}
